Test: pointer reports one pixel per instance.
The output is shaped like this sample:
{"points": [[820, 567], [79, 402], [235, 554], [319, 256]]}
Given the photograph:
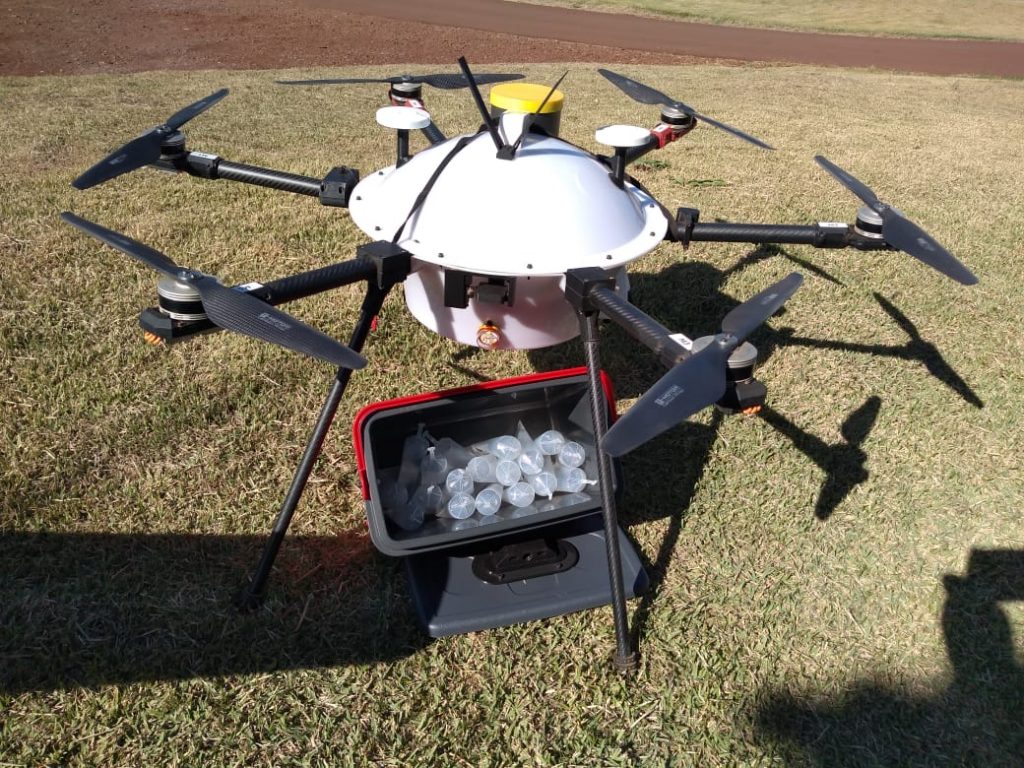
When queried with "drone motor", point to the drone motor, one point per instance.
{"points": [[869, 223], [677, 118], [743, 392], [402, 93], [172, 146], [179, 301]]}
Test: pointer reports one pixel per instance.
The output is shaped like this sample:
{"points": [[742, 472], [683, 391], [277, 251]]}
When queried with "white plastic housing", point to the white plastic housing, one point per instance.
{"points": [[403, 118], [550, 209], [622, 136]]}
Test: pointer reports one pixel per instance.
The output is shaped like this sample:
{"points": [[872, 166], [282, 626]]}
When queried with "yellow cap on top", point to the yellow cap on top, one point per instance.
{"points": [[525, 97]]}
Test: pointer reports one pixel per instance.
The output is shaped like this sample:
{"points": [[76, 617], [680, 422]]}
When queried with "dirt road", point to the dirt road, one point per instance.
{"points": [[87, 36]]}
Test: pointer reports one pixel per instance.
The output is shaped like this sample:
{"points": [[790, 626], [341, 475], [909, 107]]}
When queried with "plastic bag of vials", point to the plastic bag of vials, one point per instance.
{"points": [[452, 467], [507, 473]]}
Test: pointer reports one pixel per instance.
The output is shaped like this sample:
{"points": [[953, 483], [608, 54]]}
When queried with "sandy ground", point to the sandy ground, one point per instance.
{"points": [[88, 36]]}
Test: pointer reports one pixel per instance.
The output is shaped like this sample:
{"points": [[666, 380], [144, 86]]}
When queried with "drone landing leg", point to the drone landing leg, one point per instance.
{"points": [[251, 595], [626, 657]]}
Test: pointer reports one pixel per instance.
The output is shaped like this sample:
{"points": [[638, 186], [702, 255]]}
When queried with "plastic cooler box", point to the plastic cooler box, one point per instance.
{"points": [[451, 589]]}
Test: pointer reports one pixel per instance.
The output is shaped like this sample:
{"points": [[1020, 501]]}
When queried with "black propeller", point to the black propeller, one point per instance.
{"points": [[439, 80], [647, 95], [229, 308], [146, 148], [899, 231], [698, 381]]}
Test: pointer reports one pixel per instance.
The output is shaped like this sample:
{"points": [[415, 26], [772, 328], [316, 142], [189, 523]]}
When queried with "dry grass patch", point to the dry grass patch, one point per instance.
{"points": [[135, 483]]}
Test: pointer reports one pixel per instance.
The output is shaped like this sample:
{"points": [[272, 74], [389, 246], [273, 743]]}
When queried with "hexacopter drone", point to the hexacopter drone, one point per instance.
{"points": [[432, 218]]}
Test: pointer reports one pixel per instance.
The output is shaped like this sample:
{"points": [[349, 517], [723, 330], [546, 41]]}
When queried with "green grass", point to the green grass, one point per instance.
{"points": [[136, 483], [988, 19]]}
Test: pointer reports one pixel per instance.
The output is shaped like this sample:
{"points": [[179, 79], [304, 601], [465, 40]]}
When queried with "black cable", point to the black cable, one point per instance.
{"points": [[422, 196]]}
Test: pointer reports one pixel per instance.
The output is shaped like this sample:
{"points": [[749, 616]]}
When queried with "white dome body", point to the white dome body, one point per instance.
{"points": [[550, 209]]}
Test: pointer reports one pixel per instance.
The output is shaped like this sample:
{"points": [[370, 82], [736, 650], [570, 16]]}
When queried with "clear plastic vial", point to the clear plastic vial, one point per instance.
{"points": [[458, 481], [413, 451], [572, 455], [460, 506], [433, 498], [504, 447], [508, 472], [410, 515], [454, 453], [550, 442], [482, 468], [531, 461], [544, 483], [488, 501], [520, 495], [570, 479], [433, 467]]}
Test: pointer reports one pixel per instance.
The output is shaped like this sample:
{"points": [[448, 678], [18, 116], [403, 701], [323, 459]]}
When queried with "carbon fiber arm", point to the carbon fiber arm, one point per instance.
{"points": [[639, 325], [820, 235]]}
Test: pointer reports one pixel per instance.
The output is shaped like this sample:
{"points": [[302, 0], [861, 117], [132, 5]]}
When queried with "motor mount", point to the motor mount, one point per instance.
{"points": [[743, 393]]}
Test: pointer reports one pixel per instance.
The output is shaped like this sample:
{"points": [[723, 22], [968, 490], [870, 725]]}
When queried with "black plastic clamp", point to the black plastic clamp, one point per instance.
{"points": [[682, 227], [202, 164], [337, 186], [580, 282], [393, 263]]}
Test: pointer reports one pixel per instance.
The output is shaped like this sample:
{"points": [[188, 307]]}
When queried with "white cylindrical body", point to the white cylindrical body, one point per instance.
{"points": [[570, 479], [544, 483], [460, 506], [550, 442], [551, 209]]}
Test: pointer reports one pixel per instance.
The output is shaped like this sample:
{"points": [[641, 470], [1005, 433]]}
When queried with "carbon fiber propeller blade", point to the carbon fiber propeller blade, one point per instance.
{"points": [[698, 381], [240, 312], [748, 316], [899, 231], [855, 185], [182, 116], [231, 309], [647, 95], [145, 149], [438, 80], [148, 256], [690, 386]]}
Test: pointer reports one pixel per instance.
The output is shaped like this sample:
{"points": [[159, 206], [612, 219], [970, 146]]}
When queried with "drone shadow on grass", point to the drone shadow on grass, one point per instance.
{"points": [[633, 369], [916, 349], [94, 609], [977, 719]]}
